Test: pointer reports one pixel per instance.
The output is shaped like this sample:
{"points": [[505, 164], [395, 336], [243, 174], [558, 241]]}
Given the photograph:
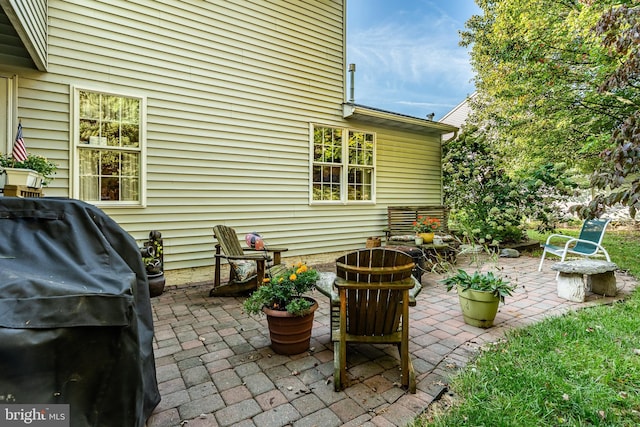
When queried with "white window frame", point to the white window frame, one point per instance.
{"points": [[76, 146], [344, 165]]}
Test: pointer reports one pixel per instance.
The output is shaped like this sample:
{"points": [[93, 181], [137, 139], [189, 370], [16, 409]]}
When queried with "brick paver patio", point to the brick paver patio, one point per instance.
{"points": [[215, 366]]}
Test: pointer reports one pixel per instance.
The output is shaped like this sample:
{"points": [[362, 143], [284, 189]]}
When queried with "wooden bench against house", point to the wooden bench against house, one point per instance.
{"points": [[400, 221], [601, 278], [399, 233]]}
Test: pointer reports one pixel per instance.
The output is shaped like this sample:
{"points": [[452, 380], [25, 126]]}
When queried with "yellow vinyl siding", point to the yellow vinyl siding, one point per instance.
{"points": [[43, 109], [231, 88], [409, 169]]}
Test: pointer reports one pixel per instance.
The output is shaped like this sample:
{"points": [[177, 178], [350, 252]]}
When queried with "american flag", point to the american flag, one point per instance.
{"points": [[19, 150]]}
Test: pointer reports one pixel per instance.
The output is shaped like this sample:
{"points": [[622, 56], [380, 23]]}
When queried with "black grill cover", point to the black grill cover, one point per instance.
{"points": [[75, 314]]}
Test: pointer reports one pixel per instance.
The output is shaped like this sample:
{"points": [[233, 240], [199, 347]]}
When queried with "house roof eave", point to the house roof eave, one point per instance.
{"points": [[380, 117]]}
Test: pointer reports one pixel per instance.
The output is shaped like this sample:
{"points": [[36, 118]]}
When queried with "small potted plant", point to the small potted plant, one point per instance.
{"points": [[281, 299], [426, 227], [35, 171], [479, 295]]}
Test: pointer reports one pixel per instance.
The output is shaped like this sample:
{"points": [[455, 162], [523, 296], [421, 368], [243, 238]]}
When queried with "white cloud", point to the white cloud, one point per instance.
{"points": [[410, 60]]}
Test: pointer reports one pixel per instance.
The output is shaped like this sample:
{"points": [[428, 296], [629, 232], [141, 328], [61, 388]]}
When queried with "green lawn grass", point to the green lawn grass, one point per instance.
{"points": [[579, 369]]}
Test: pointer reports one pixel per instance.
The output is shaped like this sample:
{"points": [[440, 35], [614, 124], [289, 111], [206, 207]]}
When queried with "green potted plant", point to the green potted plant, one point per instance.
{"points": [[289, 313], [426, 227], [479, 295], [35, 171]]}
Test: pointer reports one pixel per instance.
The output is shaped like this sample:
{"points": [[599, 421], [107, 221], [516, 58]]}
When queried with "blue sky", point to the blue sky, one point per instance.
{"points": [[407, 55]]}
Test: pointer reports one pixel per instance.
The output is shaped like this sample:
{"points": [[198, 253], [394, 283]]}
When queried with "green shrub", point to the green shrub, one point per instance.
{"points": [[482, 197], [490, 204]]}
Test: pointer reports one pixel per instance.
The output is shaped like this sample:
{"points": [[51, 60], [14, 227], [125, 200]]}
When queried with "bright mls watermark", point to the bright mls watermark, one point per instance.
{"points": [[34, 415]]}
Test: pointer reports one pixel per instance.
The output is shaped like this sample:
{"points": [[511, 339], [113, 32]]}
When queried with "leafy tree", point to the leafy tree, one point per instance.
{"points": [[490, 205], [555, 79], [546, 189], [620, 29]]}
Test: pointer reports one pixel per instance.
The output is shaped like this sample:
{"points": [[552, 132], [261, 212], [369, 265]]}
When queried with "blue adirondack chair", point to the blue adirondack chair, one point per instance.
{"points": [[588, 243]]}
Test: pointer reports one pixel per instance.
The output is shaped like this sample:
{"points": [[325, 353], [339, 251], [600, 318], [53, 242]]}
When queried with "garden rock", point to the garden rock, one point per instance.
{"points": [[509, 253]]}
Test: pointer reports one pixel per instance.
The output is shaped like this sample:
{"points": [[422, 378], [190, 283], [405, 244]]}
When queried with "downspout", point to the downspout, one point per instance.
{"points": [[455, 135]]}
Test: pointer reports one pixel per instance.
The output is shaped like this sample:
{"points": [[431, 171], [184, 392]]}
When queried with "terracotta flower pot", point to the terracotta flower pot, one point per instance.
{"points": [[290, 334]]}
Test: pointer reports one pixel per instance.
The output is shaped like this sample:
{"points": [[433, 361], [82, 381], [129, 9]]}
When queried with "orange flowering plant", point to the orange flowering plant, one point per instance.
{"points": [[284, 291], [425, 224]]}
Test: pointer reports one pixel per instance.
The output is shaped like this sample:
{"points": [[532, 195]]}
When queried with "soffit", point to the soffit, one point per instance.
{"points": [[13, 51], [379, 117]]}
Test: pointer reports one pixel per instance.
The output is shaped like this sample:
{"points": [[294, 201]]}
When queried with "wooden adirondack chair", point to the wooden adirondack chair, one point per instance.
{"points": [[588, 243], [247, 267], [373, 287]]}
